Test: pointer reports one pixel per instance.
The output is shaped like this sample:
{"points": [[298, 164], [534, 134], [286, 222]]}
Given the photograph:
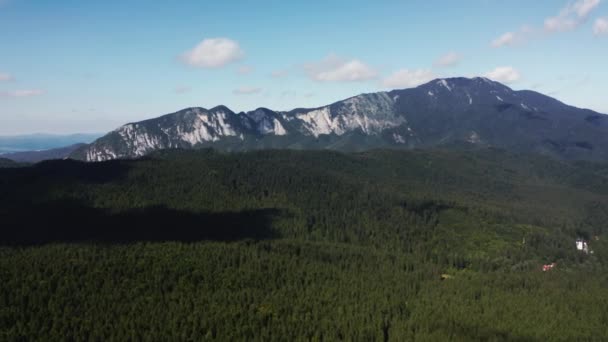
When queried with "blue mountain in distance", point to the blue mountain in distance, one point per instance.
{"points": [[40, 142], [38, 156], [475, 111]]}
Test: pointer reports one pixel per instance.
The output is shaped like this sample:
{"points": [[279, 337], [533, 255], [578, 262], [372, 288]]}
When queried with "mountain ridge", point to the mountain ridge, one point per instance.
{"points": [[38, 156], [442, 111]]}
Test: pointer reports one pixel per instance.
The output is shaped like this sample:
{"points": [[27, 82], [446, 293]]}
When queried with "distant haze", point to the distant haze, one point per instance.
{"points": [[35, 142]]}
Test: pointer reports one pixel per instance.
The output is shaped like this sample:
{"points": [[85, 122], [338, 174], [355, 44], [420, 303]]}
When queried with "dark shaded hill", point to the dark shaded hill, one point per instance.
{"points": [[488, 113], [6, 163], [376, 198]]}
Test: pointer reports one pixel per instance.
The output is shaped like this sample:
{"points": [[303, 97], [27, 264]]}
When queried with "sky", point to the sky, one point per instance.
{"points": [[70, 66]]}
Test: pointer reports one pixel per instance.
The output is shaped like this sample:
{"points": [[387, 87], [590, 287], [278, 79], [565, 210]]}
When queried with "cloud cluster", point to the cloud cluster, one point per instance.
{"points": [[247, 91], [337, 69], [571, 16], [405, 78], [600, 28], [449, 59], [213, 53], [219, 52], [504, 74], [506, 39], [513, 38]]}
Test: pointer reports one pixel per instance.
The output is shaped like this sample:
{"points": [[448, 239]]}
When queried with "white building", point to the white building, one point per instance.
{"points": [[582, 245]]}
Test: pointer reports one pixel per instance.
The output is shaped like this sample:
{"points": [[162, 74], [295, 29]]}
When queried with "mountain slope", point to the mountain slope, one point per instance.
{"points": [[6, 163], [484, 112], [441, 112]]}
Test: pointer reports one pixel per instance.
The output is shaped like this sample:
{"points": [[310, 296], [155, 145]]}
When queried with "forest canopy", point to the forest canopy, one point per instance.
{"points": [[305, 245]]}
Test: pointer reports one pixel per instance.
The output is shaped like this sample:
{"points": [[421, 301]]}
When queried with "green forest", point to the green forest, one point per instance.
{"points": [[434, 245]]}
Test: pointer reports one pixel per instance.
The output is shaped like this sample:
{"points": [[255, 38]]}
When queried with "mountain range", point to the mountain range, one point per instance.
{"points": [[474, 111], [38, 156], [42, 142]]}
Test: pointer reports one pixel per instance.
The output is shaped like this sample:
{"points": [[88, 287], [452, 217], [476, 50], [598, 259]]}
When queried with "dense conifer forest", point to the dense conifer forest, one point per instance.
{"points": [[5, 163], [434, 245]]}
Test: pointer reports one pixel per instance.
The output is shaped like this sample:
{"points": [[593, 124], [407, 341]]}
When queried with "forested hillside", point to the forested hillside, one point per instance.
{"points": [[305, 245], [5, 163]]}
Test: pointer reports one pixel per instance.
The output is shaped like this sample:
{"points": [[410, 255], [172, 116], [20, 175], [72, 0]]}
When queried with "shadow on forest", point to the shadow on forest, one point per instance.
{"points": [[81, 171], [70, 222], [52, 171]]}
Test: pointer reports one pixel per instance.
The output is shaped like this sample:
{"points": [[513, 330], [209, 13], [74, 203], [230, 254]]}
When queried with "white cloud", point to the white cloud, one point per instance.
{"points": [[183, 89], [449, 59], [560, 24], [584, 7], [336, 69], [213, 53], [514, 37], [247, 91], [244, 70], [22, 93], [504, 40], [5, 77], [601, 27], [571, 16], [405, 78], [505, 74]]}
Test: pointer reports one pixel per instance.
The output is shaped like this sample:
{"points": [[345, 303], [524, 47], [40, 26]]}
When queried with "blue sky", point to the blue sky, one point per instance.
{"points": [[89, 66]]}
